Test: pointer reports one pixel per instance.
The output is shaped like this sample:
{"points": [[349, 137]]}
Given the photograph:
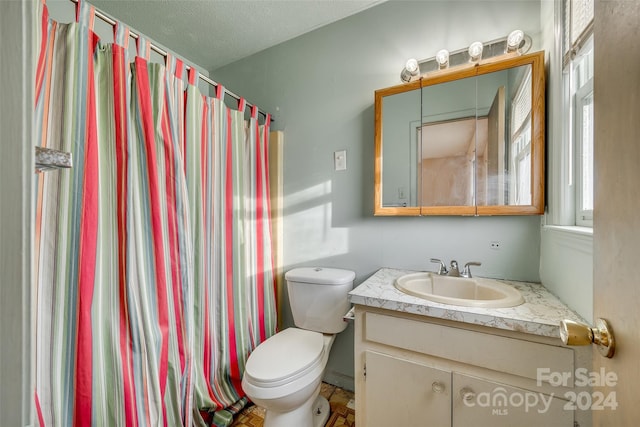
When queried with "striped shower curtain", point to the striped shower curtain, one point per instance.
{"points": [[227, 174], [153, 257], [66, 223]]}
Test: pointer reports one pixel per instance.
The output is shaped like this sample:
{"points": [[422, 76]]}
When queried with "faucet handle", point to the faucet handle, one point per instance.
{"points": [[442, 270], [467, 271]]}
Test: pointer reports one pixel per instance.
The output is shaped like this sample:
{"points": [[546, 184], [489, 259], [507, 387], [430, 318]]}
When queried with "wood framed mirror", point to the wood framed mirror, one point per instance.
{"points": [[464, 141]]}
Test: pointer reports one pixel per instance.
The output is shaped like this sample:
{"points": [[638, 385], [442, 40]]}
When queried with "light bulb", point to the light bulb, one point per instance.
{"points": [[475, 51], [514, 39], [411, 65], [410, 70], [442, 58]]}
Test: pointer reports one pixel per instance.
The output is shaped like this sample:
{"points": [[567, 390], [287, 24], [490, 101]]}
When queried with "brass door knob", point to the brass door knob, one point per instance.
{"points": [[574, 333]]}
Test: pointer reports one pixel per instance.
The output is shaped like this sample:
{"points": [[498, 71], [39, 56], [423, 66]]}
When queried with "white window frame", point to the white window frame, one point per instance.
{"points": [[578, 91], [584, 216], [564, 210]]}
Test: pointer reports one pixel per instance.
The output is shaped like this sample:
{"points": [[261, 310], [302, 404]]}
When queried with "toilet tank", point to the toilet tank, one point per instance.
{"points": [[319, 297]]}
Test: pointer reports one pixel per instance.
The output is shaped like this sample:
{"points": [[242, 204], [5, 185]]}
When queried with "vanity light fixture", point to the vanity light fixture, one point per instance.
{"points": [[517, 42], [410, 71], [475, 51], [442, 58], [514, 39]]}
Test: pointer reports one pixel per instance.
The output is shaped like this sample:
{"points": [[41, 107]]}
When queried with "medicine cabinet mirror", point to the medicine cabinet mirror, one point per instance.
{"points": [[465, 141]]}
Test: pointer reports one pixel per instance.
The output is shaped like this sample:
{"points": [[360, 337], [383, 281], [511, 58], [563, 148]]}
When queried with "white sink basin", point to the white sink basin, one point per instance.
{"points": [[473, 292]]}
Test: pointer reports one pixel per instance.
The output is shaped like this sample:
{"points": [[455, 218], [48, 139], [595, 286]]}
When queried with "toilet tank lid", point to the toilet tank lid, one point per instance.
{"points": [[320, 275]]}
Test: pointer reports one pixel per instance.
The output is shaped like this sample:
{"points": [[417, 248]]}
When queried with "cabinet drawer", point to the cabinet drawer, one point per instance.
{"points": [[509, 355]]}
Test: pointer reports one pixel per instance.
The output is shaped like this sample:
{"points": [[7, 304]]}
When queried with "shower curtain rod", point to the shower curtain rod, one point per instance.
{"points": [[106, 18]]}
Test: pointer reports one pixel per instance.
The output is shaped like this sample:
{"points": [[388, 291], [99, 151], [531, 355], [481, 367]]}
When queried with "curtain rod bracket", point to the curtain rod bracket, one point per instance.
{"points": [[48, 159]]}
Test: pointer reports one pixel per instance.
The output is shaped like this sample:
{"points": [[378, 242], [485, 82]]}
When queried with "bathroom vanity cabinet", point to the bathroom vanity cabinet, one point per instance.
{"points": [[415, 370]]}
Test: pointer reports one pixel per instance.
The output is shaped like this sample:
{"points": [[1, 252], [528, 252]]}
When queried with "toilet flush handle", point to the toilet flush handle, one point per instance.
{"points": [[350, 315]]}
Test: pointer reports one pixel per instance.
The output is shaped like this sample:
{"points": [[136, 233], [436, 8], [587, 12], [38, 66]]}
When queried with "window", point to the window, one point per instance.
{"points": [[578, 26], [583, 134], [578, 82]]}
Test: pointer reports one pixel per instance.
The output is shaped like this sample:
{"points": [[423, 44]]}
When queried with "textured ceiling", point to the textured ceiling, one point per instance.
{"points": [[214, 33]]}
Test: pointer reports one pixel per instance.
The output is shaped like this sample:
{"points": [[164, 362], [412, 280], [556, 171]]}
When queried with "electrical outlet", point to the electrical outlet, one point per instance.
{"points": [[495, 245]]}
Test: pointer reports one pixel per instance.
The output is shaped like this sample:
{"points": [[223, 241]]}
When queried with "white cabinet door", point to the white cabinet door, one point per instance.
{"points": [[400, 392], [481, 403]]}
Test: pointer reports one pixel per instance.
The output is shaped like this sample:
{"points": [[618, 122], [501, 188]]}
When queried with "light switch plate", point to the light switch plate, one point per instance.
{"points": [[340, 160]]}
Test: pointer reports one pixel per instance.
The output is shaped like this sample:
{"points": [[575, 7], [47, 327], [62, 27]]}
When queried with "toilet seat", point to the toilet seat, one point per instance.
{"points": [[285, 357]]}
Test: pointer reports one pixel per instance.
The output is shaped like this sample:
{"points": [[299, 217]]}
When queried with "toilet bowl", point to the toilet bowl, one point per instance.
{"points": [[284, 373]]}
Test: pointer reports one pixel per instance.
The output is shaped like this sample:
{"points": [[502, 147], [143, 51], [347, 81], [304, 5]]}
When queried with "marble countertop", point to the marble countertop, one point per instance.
{"points": [[540, 314]]}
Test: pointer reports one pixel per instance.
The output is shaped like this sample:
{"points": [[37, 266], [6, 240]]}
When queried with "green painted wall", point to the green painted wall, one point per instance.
{"points": [[320, 87]]}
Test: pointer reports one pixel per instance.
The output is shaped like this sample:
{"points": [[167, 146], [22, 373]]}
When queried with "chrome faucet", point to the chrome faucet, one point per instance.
{"points": [[442, 269], [467, 271], [453, 268]]}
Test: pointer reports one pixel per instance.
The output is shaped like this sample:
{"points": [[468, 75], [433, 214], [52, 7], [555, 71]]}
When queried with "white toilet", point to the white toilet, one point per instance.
{"points": [[284, 373]]}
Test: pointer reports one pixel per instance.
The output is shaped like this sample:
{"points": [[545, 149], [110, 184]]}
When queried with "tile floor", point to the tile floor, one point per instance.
{"points": [[339, 400]]}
